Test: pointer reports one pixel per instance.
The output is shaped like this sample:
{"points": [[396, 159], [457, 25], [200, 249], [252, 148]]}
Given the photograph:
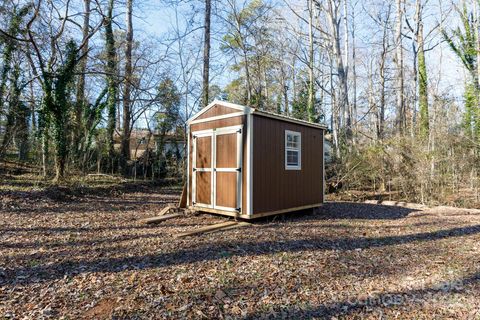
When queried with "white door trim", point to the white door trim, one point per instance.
{"points": [[213, 133], [229, 130], [195, 135]]}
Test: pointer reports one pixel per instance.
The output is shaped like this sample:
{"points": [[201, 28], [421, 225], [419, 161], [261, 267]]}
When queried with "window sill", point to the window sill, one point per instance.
{"points": [[293, 168]]}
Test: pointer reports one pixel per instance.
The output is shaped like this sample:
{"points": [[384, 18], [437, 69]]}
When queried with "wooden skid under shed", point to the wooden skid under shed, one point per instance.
{"points": [[161, 218]]}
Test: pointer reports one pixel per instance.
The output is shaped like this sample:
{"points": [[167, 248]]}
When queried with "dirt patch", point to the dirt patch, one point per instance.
{"points": [[102, 310]]}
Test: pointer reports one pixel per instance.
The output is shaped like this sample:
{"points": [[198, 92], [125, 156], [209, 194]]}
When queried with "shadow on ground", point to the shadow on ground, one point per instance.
{"points": [[393, 299], [218, 250], [344, 210]]}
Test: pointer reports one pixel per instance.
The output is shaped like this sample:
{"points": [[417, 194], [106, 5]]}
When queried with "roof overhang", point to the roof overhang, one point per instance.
{"points": [[249, 110]]}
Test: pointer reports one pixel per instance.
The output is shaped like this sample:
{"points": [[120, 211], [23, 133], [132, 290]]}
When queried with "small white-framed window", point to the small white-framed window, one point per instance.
{"points": [[293, 150]]}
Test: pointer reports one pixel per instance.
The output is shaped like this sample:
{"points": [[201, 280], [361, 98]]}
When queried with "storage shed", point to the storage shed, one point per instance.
{"points": [[250, 163]]}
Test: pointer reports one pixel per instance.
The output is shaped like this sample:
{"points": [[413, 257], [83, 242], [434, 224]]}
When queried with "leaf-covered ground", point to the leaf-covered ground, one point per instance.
{"points": [[88, 257]]}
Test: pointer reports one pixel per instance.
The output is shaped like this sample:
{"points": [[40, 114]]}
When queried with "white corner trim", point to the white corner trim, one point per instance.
{"points": [[188, 166], [249, 192], [323, 164]]}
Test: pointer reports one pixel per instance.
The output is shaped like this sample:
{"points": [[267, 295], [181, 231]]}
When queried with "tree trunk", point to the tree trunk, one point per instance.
{"points": [[206, 53], [400, 102], [381, 111], [353, 110], [111, 83], [311, 93], [247, 76], [125, 150], [7, 54], [347, 110], [45, 152], [477, 47], [284, 91], [80, 94], [342, 98], [245, 60], [422, 85]]}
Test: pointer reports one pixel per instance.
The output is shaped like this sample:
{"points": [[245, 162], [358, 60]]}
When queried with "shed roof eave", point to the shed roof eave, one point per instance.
{"points": [[245, 109], [289, 119], [248, 110]]}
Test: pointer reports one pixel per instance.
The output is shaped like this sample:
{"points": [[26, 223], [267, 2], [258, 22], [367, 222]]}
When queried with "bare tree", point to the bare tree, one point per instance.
{"points": [[125, 144], [82, 67], [111, 83], [334, 19], [311, 61], [400, 99], [206, 53]]}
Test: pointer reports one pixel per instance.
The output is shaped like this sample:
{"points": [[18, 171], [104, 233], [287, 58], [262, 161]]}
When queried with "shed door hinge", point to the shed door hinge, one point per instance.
{"points": [[239, 169]]}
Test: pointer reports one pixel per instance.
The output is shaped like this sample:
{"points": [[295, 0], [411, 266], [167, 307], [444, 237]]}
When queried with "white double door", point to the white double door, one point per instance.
{"points": [[217, 168]]}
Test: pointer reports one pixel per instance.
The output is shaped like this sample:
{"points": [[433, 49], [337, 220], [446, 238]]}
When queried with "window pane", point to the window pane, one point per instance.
{"points": [[289, 140], [293, 141], [292, 158]]}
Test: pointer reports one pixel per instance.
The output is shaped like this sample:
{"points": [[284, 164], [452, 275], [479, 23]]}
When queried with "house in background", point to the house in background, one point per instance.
{"points": [[250, 163], [142, 140]]}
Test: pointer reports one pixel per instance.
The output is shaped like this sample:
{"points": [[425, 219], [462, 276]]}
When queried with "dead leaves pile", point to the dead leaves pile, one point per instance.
{"points": [[89, 258]]}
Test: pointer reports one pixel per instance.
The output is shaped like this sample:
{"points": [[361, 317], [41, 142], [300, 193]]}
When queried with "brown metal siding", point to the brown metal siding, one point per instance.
{"points": [[217, 110], [275, 188], [219, 124]]}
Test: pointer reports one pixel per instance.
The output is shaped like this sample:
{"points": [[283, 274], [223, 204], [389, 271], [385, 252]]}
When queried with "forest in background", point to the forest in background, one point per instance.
{"points": [[397, 82]]}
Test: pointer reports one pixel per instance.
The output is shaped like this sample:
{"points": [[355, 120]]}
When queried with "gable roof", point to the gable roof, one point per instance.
{"points": [[250, 110]]}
